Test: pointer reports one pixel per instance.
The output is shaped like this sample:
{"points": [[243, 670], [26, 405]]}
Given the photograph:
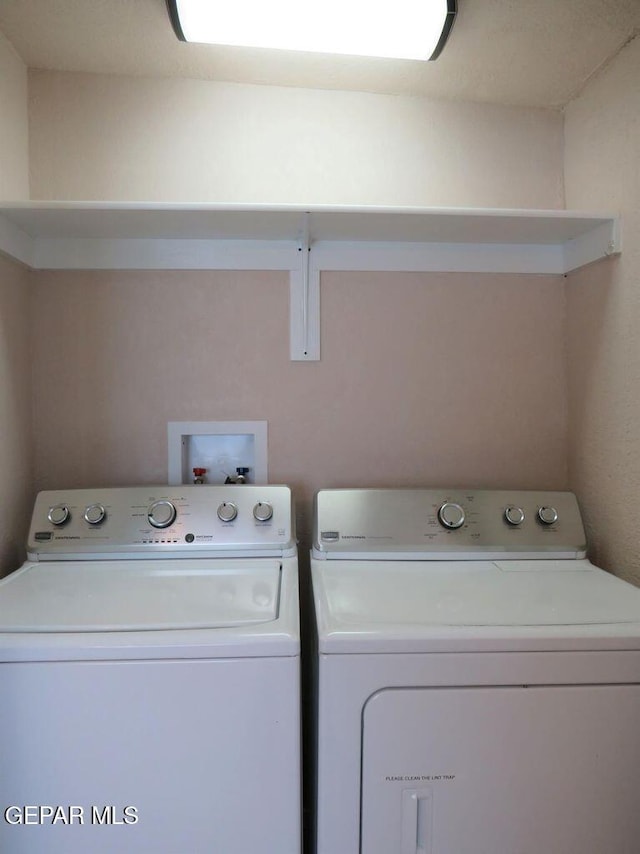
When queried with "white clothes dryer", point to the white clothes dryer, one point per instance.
{"points": [[478, 680], [149, 675]]}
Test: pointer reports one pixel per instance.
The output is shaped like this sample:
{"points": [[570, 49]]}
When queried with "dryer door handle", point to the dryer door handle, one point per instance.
{"points": [[417, 821]]}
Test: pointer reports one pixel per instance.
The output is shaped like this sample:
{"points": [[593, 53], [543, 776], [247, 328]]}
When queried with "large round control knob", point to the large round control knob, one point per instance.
{"points": [[94, 514], [451, 515], [227, 511], [514, 515], [59, 514], [547, 515], [263, 511], [161, 514]]}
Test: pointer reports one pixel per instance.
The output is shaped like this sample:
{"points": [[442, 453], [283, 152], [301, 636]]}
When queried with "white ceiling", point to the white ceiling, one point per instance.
{"points": [[527, 52]]}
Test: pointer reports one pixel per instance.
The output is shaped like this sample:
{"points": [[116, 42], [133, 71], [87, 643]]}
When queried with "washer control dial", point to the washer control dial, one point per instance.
{"points": [[59, 514], [514, 515], [94, 514], [451, 515], [227, 511], [161, 514], [263, 511], [547, 515]]}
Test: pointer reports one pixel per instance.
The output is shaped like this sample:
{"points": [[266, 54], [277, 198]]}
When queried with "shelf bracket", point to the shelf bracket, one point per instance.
{"points": [[304, 316], [601, 241]]}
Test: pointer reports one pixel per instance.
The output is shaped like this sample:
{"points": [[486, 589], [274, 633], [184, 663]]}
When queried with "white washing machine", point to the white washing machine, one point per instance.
{"points": [[149, 675], [478, 680]]}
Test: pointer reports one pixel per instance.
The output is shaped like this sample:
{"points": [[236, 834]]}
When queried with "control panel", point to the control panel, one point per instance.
{"points": [[166, 521], [446, 524]]}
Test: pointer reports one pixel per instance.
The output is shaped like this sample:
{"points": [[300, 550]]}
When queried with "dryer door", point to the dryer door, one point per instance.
{"points": [[502, 769]]}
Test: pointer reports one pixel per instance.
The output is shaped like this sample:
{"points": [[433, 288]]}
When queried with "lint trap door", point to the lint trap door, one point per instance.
{"points": [[515, 770]]}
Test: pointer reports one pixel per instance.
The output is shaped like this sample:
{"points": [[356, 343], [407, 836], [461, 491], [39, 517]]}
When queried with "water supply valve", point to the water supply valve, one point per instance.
{"points": [[239, 477]]}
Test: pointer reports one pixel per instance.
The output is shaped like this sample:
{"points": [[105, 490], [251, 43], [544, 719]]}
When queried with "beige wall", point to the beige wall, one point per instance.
{"points": [[15, 389], [602, 169], [16, 492], [417, 383], [109, 137], [425, 379], [14, 167], [118, 355]]}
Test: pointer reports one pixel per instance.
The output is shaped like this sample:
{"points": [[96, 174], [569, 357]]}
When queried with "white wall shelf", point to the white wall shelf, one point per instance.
{"points": [[304, 241]]}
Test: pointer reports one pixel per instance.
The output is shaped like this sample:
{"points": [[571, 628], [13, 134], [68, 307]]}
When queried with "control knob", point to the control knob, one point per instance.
{"points": [[451, 515], [94, 514], [227, 511], [547, 515], [514, 515], [59, 514], [263, 511], [161, 514]]}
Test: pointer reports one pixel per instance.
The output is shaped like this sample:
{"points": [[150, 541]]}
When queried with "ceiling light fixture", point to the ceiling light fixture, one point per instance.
{"points": [[403, 29]]}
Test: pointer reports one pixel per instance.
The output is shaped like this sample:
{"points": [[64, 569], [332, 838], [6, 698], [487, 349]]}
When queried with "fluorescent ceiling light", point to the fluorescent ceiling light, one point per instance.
{"points": [[402, 29]]}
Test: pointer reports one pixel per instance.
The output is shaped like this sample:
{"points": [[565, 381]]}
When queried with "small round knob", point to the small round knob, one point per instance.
{"points": [[547, 515], [227, 511], [94, 514], [263, 511], [161, 514], [451, 515], [514, 515], [59, 514]]}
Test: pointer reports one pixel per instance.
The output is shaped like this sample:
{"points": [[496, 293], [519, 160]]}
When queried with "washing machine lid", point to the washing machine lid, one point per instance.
{"points": [[366, 606], [140, 595]]}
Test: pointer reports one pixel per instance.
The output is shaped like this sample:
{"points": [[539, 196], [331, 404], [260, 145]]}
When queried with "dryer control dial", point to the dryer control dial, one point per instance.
{"points": [[547, 515], [451, 515], [514, 515], [59, 514], [263, 511], [227, 511], [94, 514], [161, 514]]}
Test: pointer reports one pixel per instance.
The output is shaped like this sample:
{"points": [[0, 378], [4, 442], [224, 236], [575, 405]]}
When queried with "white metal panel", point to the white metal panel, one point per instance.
{"points": [[207, 752], [110, 596], [390, 595], [503, 769], [395, 606], [272, 638], [346, 682]]}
